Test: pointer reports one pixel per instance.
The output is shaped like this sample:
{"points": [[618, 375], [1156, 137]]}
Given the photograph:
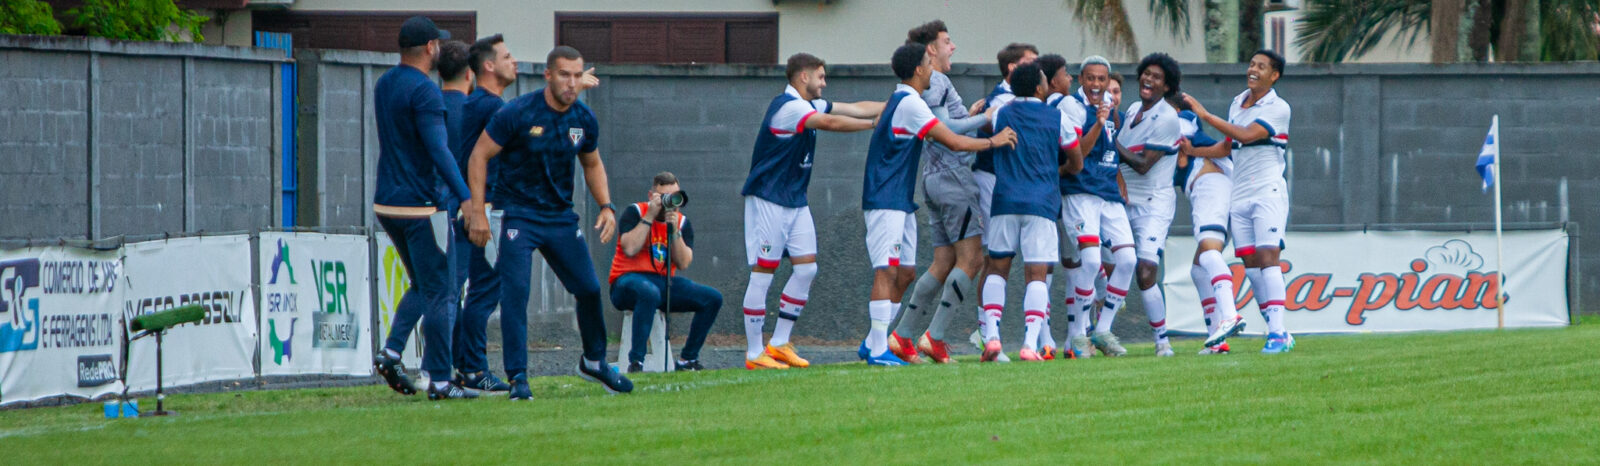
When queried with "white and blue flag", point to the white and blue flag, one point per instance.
{"points": [[1489, 156]]}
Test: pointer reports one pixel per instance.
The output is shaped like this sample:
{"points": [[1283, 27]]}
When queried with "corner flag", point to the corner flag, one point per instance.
{"points": [[1489, 156]]}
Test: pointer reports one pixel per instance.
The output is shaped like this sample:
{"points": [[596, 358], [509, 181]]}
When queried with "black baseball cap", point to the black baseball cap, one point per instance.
{"points": [[418, 30]]}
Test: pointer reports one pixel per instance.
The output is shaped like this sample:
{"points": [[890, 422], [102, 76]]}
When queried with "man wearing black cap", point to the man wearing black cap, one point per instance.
{"points": [[417, 181]]}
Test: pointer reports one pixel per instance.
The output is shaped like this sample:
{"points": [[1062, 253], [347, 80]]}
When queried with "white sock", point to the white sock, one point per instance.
{"points": [[1221, 283], [879, 310], [1116, 288], [1272, 282], [1034, 301], [1046, 340], [793, 300], [1087, 272], [1208, 307], [994, 299], [894, 311], [1155, 307], [1254, 275], [755, 312]]}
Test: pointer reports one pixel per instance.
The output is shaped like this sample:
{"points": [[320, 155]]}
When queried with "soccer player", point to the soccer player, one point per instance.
{"points": [[889, 184], [542, 133], [1059, 81], [1202, 174], [983, 165], [1258, 129], [777, 217], [1092, 212], [414, 160], [1150, 136], [954, 214], [1026, 205], [1096, 131]]}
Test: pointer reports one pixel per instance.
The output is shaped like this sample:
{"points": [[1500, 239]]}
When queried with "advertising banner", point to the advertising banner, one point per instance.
{"points": [[212, 271], [1392, 281], [315, 314], [60, 333]]}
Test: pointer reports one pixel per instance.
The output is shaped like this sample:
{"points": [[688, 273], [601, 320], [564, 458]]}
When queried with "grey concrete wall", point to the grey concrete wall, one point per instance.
{"points": [[104, 138]]}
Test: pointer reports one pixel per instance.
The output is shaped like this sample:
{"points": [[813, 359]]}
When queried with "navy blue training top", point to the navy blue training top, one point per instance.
{"points": [[1180, 176], [895, 150], [475, 113], [1025, 175], [539, 149], [780, 163], [414, 157], [985, 159], [1100, 163]]}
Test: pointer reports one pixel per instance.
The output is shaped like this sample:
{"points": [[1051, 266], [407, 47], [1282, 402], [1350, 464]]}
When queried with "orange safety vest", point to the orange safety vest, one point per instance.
{"points": [[652, 258]]}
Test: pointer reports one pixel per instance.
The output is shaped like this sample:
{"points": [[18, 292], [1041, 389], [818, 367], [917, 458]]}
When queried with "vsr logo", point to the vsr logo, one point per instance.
{"points": [[19, 312]]}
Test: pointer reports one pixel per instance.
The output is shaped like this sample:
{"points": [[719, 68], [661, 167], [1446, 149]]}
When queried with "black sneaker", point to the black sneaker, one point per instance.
{"points": [[606, 376], [635, 367], [519, 388], [450, 392], [394, 373], [484, 381], [692, 366]]}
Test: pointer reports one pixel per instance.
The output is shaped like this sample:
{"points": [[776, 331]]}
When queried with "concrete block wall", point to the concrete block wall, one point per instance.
{"points": [[105, 138]]}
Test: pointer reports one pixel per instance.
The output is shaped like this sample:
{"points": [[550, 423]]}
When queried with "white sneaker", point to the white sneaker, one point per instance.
{"points": [[1108, 344], [1164, 349], [1226, 329]]}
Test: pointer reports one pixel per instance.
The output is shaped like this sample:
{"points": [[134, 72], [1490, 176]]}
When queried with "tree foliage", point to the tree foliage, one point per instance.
{"points": [[28, 17], [1339, 30], [150, 20]]}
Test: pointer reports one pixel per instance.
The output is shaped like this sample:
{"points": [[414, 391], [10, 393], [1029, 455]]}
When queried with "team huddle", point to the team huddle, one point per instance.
{"points": [[1036, 170], [471, 185]]}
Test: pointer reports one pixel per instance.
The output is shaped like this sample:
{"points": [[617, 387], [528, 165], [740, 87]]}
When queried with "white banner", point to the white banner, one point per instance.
{"points": [[60, 333], [392, 285], [315, 314], [213, 271], [1393, 282]]}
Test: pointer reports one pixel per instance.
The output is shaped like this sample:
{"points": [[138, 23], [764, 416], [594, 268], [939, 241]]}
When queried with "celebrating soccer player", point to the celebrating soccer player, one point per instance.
{"points": [[1258, 128], [777, 217], [954, 214], [890, 183], [1150, 137], [1025, 206]]}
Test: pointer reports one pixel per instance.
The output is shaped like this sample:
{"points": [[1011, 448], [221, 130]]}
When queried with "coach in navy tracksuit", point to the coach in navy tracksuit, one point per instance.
{"points": [[541, 134], [414, 160]]}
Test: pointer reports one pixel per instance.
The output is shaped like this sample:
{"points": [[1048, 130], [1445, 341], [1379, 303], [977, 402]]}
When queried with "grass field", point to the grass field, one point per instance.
{"points": [[1526, 396]]}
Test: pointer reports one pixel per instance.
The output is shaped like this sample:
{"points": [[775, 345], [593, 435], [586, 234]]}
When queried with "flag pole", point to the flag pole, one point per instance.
{"points": [[1499, 238]]}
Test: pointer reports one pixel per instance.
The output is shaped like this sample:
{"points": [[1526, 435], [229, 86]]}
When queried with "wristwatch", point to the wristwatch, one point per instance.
{"points": [[609, 205]]}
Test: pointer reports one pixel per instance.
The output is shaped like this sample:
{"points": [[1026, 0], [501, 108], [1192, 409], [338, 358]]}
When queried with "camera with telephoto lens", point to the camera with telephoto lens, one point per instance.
{"points": [[675, 200]]}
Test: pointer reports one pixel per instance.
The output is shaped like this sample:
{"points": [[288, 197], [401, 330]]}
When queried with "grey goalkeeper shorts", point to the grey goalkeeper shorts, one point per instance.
{"points": [[955, 212]]}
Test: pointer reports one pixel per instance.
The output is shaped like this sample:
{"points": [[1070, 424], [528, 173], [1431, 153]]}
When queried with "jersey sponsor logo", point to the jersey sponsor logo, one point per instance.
{"points": [[537, 131], [575, 134]]}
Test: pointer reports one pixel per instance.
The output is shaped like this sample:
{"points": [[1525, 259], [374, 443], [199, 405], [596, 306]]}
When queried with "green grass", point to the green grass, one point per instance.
{"points": [[1527, 396]]}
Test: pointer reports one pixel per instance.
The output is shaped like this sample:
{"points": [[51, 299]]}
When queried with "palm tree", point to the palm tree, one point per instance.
{"points": [[1458, 30], [1108, 20]]}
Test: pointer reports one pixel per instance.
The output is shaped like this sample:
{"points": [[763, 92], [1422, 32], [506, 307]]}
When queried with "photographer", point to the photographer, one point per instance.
{"points": [[639, 271]]}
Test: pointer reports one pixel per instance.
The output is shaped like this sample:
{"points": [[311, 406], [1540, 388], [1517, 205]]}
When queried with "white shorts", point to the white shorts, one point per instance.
{"points": [[1092, 221], [985, 192], [891, 238], [1258, 222], [1209, 198], [1150, 220], [770, 230], [1031, 235]]}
